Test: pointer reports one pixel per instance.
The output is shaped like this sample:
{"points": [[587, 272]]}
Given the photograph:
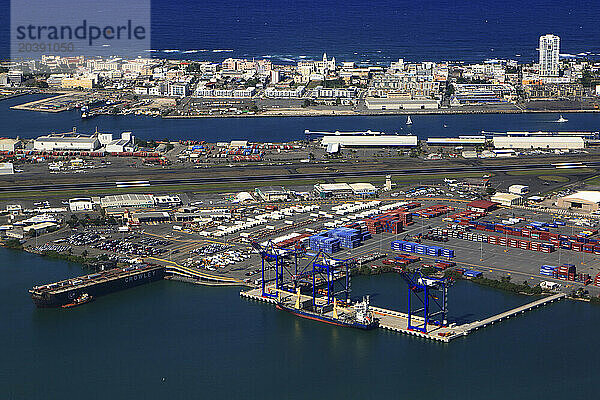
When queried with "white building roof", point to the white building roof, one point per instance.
{"points": [[500, 197], [332, 187], [591, 196], [369, 140], [362, 187]]}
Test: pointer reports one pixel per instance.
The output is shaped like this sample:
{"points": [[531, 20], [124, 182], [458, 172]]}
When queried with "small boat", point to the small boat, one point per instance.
{"points": [[84, 298], [408, 121], [561, 119]]}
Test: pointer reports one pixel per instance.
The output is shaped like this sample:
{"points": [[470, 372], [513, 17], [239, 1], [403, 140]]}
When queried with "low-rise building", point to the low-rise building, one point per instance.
{"points": [[507, 199], [482, 206], [167, 201], [81, 204], [539, 142], [273, 193], [586, 200], [71, 141], [333, 190], [7, 144], [278, 93], [363, 189], [40, 228], [127, 200], [518, 189], [376, 103], [7, 168]]}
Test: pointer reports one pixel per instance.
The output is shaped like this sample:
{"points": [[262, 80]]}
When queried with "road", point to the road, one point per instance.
{"points": [[296, 176]]}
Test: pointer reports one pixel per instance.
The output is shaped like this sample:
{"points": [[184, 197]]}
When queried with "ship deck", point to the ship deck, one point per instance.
{"points": [[92, 279]]}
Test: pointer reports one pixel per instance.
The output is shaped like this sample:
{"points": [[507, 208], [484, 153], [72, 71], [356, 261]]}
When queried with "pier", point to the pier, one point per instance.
{"points": [[397, 321]]}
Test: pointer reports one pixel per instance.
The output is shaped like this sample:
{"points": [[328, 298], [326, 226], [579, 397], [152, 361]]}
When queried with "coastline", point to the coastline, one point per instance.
{"points": [[333, 113]]}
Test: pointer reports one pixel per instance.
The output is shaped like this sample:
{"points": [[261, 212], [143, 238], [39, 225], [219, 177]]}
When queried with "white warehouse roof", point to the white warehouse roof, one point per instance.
{"points": [[369, 140], [538, 142], [591, 196]]}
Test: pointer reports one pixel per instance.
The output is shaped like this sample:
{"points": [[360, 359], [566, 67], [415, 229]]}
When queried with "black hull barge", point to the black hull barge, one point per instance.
{"points": [[64, 292]]}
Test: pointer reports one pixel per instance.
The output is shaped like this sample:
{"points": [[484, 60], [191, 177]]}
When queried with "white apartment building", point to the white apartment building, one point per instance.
{"points": [[549, 53]]}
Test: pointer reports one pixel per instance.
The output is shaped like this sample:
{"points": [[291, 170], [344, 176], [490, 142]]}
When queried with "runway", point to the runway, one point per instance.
{"points": [[297, 176]]}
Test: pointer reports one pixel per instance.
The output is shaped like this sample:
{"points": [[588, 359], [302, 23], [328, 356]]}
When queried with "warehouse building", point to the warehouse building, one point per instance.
{"points": [[7, 168], [127, 200], [518, 189], [539, 142], [151, 216], [7, 144], [482, 206], [459, 141], [586, 200], [273, 193], [167, 201], [376, 103], [71, 141], [81, 204], [333, 190], [363, 189], [369, 140], [507, 199]]}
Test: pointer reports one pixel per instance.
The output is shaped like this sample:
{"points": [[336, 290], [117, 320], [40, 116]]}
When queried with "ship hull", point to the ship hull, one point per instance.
{"points": [[53, 300], [326, 319]]}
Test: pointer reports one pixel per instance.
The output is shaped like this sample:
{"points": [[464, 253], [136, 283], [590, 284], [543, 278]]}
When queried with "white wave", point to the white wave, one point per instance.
{"points": [[302, 56], [222, 50], [171, 51], [106, 45], [151, 50], [190, 51]]}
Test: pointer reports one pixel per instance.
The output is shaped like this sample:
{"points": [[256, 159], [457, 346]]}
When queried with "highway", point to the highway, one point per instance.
{"points": [[297, 176]]}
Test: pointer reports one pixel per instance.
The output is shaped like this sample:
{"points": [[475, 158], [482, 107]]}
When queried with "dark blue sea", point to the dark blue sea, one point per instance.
{"points": [[170, 340], [376, 31]]}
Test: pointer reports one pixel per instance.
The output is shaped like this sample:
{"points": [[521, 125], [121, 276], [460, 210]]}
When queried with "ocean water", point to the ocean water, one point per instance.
{"points": [[175, 340], [376, 31], [29, 124]]}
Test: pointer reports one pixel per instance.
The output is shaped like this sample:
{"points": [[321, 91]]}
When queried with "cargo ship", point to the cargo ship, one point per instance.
{"points": [[69, 291], [358, 316]]}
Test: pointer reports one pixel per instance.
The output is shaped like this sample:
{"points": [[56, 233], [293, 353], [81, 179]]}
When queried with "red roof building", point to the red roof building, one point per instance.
{"points": [[482, 205]]}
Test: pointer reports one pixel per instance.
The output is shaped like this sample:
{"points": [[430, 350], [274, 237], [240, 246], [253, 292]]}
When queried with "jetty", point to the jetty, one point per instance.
{"points": [[397, 321]]}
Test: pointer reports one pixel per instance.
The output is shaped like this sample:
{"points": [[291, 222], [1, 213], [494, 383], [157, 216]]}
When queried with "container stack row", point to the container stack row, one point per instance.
{"points": [[323, 242], [434, 251], [496, 240], [434, 211]]}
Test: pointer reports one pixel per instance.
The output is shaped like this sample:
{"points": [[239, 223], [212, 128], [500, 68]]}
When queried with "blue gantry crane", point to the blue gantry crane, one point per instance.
{"points": [[431, 295], [323, 273]]}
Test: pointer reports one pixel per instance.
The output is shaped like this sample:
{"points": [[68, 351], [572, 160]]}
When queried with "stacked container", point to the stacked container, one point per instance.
{"points": [[547, 270], [422, 249]]}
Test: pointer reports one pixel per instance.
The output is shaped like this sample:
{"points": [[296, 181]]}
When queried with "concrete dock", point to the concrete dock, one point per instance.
{"points": [[398, 321]]}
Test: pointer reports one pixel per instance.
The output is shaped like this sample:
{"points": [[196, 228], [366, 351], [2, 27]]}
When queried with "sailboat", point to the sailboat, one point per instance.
{"points": [[562, 119], [408, 121]]}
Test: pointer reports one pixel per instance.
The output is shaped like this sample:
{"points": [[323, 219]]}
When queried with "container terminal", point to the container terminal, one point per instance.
{"points": [[296, 246]]}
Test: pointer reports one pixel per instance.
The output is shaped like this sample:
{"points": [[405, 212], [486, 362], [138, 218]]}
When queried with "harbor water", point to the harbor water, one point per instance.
{"points": [[174, 340], [29, 124]]}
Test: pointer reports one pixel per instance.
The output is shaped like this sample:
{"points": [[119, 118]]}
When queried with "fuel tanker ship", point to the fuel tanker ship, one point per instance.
{"points": [[68, 291]]}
